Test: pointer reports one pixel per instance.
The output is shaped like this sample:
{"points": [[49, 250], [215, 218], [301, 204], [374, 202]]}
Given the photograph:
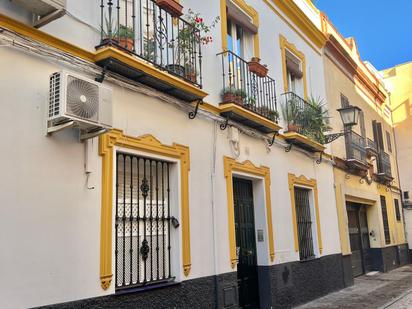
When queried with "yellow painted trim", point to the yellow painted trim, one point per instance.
{"points": [[149, 144], [100, 54], [134, 62], [42, 37], [359, 200], [310, 183], [251, 12], [232, 107], [230, 165], [303, 139], [298, 18], [285, 45]]}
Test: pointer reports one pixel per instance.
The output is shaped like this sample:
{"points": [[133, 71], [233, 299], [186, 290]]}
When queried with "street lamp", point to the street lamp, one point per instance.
{"points": [[349, 115], [350, 118]]}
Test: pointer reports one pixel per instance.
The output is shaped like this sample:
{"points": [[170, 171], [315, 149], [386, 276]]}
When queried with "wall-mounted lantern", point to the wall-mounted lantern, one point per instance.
{"points": [[350, 118]]}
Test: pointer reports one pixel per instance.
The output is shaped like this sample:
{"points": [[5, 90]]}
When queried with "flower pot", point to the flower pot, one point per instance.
{"points": [[293, 127], [229, 98], [239, 99], [176, 69], [191, 76], [171, 6], [126, 43], [257, 68]]}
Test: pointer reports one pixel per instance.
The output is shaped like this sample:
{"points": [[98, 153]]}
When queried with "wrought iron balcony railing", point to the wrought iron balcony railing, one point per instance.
{"points": [[384, 164], [371, 145], [245, 88], [143, 29], [298, 116], [355, 147]]}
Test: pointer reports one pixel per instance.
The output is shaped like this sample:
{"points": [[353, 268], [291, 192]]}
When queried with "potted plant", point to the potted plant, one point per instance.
{"points": [[109, 32], [316, 120], [126, 36], [171, 6], [256, 67], [186, 42], [292, 114], [241, 95], [149, 48], [228, 95], [269, 113], [250, 103]]}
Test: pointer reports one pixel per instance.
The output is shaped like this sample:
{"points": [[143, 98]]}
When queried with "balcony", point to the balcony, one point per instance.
{"points": [[371, 148], [247, 98], [143, 42], [356, 153], [304, 123], [384, 174]]}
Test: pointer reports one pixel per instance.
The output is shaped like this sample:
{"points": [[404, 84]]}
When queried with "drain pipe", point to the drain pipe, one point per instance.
{"points": [[213, 204]]}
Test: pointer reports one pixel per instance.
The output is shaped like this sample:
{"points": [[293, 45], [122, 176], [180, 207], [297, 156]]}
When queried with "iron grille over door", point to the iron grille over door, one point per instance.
{"points": [[143, 250], [304, 223]]}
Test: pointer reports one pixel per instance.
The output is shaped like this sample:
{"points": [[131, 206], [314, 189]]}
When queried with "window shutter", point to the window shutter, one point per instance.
{"points": [[293, 65], [388, 141]]}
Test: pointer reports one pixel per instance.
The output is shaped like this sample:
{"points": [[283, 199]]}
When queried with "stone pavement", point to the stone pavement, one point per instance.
{"points": [[382, 290]]}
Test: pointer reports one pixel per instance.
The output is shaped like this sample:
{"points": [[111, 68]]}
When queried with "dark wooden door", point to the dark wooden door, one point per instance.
{"points": [[246, 243], [359, 239]]}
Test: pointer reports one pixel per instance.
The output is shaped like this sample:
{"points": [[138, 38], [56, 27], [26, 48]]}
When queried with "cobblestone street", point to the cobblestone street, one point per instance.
{"points": [[382, 290]]}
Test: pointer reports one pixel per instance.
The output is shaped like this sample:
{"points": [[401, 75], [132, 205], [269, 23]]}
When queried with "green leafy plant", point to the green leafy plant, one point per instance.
{"points": [[110, 30], [126, 32], [316, 120], [292, 114]]}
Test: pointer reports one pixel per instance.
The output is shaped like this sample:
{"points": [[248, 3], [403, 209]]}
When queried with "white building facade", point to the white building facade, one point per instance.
{"points": [[179, 204]]}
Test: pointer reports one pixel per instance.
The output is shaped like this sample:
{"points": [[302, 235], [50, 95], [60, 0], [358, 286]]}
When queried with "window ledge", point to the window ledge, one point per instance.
{"points": [[147, 287], [303, 142]]}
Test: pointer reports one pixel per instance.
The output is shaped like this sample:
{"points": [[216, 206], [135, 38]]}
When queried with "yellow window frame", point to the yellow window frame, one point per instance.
{"points": [[149, 144], [251, 12], [285, 45], [230, 166], [311, 184]]}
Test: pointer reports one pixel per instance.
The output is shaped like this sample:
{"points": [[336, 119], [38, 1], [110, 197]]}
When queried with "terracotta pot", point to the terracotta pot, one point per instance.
{"points": [[191, 76], [171, 6], [126, 43], [293, 127], [229, 98], [238, 99], [257, 68]]}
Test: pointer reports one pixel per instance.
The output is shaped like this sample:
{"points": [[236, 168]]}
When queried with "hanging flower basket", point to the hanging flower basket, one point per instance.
{"points": [[256, 67], [171, 6]]}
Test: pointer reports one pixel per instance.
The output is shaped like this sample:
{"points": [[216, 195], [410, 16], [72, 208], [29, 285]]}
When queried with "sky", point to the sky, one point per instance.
{"points": [[382, 29]]}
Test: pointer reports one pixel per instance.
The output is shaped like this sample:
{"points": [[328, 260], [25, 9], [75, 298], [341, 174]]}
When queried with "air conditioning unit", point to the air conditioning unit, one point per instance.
{"points": [[78, 102], [42, 7]]}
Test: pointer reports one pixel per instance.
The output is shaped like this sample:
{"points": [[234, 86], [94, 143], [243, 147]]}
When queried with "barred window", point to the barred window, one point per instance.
{"points": [[143, 240], [304, 223], [397, 210], [385, 220]]}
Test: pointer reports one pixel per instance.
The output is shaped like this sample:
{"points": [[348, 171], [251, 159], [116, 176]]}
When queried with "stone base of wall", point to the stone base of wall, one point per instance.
{"points": [[280, 286], [389, 258], [347, 270], [299, 282]]}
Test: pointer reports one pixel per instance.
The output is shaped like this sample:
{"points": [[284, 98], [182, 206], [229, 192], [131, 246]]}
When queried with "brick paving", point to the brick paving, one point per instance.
{"points": [[383, 290]]}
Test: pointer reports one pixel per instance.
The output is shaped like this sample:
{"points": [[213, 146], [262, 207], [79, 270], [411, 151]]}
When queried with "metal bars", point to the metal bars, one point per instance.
{"points": [[142, 28], [298, 115], [247, 89], [356, 147], [142, 221], [304, 223], [385, 220], [384, 164]]}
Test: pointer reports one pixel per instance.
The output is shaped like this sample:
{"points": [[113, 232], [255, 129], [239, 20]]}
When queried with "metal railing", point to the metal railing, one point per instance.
{"points": [[247, 89], [384, 164], [355, 148], [142, 28], [297, 116], [372, 145]]}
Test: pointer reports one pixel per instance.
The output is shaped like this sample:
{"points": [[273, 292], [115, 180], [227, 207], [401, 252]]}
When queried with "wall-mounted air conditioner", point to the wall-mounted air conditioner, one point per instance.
{"points": [[78, 102], [42, 7]]}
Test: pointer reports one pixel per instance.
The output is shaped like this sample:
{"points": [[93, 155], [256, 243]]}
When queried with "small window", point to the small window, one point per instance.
{"points": [[397, 210], [304, 223], [294, 73], [385, 220], [143, 249], [388, 141], [344, 102]]}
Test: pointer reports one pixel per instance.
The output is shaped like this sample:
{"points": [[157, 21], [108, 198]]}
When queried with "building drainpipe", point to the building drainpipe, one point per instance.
{"points": [[397, 167]]}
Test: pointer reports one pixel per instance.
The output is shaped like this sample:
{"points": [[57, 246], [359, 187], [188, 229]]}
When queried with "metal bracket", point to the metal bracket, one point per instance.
{"points": [[329, 138], [319, 161], [192, 114], [271, 142], [100, 78], [223, 125], [288, 148]]}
